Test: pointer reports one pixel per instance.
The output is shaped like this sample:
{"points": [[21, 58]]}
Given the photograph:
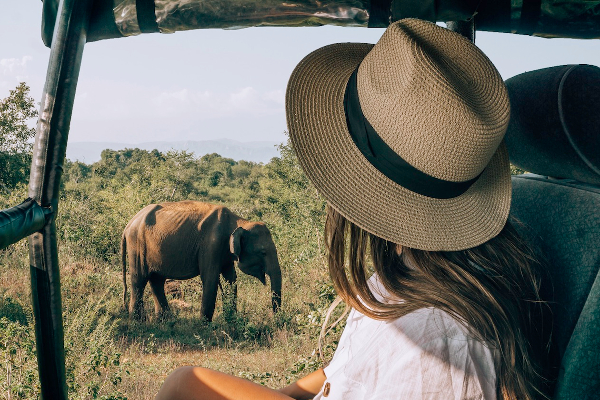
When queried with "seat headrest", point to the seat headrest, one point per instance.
{"points": [[554, 128]]}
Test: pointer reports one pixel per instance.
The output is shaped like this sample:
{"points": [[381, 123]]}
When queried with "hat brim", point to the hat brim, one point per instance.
{"points": [[363, 195]]}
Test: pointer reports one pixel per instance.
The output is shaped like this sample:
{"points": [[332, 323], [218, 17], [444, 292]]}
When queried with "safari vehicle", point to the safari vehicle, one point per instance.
{"points": [[560, 203]]}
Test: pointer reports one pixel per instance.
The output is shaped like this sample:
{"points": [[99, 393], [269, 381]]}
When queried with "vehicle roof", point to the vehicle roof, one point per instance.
{"points": [[121, 18]]}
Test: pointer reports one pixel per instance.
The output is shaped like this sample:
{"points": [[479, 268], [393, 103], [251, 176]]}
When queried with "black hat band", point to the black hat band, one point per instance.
{"points": [[386, 160]]}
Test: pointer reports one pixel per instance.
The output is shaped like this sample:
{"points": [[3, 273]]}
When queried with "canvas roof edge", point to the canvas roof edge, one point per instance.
{"points": [[577, 19], [103, 26]]}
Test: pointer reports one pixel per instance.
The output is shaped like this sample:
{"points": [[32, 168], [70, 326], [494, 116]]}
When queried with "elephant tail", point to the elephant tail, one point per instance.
{"points": [[124, 262]]}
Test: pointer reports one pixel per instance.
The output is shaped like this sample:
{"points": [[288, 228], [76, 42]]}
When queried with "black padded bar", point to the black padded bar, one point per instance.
{"points": [[146, 16], [422, 9], [21, 221], [380, 13], [530, 15], [102, 22], [49, 13], [46, 170]]}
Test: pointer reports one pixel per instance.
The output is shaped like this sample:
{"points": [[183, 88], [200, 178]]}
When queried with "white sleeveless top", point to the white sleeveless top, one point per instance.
{"points": [[426, 354]]}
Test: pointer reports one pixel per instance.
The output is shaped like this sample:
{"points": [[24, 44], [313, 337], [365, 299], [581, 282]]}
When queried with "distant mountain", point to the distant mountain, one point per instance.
{"points": [[258, 151]]}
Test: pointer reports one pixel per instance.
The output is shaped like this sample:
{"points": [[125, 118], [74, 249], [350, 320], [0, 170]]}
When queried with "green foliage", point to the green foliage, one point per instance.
{"points": [[94, 368], [110, 357], [238, 325], [15, 136], [12, 310], [17, 351], [18, 360], [516, 170], [289, 191]]}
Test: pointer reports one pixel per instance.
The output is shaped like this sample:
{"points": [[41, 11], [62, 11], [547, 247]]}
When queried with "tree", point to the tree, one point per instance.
{"points": [[16, 146]]}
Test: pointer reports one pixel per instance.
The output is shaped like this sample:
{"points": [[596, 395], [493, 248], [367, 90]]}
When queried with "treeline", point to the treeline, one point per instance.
{"points": [[98, 200]]}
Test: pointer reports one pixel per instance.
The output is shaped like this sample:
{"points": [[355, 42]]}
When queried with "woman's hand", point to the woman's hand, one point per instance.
{"points": [[306, 388]]}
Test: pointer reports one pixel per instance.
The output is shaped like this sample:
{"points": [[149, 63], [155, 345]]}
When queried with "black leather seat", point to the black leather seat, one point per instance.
{"points": [[555, 133]]}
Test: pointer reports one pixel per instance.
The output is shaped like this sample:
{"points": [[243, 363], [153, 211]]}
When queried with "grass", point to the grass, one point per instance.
{"points": [[110, 357]]}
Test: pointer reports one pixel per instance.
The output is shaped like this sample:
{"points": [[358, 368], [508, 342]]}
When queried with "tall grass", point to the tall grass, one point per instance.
{"points": [[108, 356]]}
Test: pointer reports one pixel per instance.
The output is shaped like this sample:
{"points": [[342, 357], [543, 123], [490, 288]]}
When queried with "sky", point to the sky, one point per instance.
{"points": [[211, 84]]}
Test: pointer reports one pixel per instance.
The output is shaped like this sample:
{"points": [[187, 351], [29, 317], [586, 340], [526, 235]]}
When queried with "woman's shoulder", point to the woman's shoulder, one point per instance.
{"points": [[426, 324], [426, 345], [430, 324]]}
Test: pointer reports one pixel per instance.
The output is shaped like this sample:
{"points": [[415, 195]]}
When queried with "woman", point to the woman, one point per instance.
{"points": [[404, 140]]}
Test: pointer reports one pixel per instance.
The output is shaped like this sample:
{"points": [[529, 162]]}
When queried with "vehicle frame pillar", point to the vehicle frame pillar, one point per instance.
{"points": [[49, 151]]}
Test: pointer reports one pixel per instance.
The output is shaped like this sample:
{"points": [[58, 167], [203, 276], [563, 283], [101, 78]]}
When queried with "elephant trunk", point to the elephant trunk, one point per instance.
{"points": [[274, 272]]}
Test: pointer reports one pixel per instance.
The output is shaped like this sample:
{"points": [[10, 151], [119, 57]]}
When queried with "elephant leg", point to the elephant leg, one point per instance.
{"points": [[209, 298], [136, 302], [161, 305], [230, 296]]}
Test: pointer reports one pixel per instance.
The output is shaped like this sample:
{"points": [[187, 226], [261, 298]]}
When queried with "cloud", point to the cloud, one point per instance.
{"points": [[125, 111], [276, 96], [210, 105], [12, 71], [14, 67]]}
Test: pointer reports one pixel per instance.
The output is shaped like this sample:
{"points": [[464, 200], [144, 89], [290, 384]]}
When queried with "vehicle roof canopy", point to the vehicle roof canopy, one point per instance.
{"points": [[120, 18]]}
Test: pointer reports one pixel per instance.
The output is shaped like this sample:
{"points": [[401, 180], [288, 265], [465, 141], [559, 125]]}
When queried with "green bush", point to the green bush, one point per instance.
{"points": [[94, 368], [17, 351], [13, 311]]}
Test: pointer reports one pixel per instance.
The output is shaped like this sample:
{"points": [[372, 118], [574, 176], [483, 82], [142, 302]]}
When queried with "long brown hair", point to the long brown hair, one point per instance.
{"points": [[492, 289]]}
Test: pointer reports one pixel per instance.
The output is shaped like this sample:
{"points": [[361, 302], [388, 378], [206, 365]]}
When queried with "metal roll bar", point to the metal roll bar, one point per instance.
{"points": [[69, 38]]}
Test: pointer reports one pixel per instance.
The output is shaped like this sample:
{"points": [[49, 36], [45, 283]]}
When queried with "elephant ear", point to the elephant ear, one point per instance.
{"points": [[235, 242]]}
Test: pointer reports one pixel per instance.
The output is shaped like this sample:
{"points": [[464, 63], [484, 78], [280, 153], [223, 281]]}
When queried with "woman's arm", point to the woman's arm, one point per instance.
{"points": [[307, 387], [196, 383]]}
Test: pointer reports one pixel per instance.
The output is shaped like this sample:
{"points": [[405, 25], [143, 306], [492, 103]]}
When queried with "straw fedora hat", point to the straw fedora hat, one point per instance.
{"points": [[404, 137]]}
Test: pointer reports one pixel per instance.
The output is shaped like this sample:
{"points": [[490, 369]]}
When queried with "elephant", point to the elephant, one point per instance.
{"points": [[181, 240]]}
